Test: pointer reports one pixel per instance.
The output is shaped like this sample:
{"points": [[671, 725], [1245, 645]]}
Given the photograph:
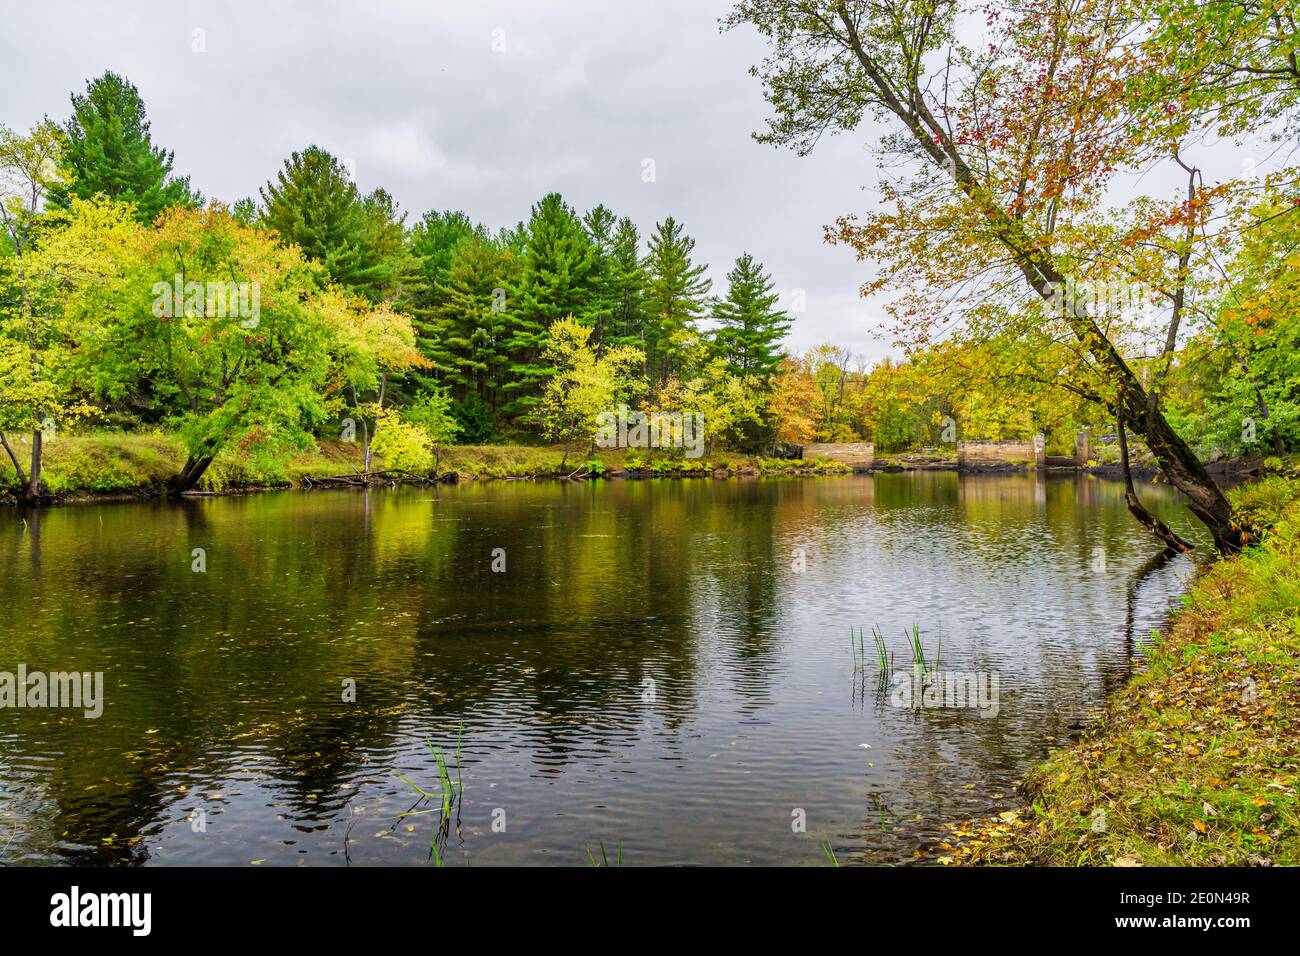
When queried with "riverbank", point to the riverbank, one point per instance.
{"points": [[1197, 760], [130, 465], [109, 465]]}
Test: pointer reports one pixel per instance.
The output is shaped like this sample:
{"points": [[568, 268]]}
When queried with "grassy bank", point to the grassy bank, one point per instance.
{"points": [[124, 464], [1196, 761]]}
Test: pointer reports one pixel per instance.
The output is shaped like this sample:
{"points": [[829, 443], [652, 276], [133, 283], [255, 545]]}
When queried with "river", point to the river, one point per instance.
{"points": [[663, 666]]}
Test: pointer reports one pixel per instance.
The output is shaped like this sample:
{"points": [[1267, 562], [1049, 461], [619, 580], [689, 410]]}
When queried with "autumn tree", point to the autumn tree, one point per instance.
{"points": [[585, 382], [231, 328], [45, 260], [793, 404], [370, 347], [1011, 143]]}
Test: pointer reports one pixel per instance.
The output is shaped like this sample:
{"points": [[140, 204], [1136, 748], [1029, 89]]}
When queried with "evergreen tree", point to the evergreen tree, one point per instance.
{"points": [[435, 241], [675, 297], [315, 205], [398, 272], [107, 149], [437, 237], [750, 326], [557, 280], [600, 224], [627, 278], [469, 324]]}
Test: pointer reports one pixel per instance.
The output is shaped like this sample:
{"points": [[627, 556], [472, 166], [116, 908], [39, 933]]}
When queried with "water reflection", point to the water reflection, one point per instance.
{"points": [[664, 663]]}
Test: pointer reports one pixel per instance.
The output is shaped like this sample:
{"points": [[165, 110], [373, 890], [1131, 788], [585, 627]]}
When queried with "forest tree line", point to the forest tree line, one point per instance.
{"points": [[997, 228]]}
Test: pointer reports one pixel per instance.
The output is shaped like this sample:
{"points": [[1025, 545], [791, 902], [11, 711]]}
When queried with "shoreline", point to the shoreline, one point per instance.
{"points": [[108, 467], [1195, 761], [158, 492]]}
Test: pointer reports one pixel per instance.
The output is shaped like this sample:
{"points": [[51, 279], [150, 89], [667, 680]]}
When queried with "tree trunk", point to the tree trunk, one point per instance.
{"points": [[18, 468], [1036, 263], [32, 493], [1172, 541], [189, 476]]}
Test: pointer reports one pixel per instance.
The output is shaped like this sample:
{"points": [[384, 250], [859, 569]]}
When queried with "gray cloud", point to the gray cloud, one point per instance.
{"points": [[415, 94]]}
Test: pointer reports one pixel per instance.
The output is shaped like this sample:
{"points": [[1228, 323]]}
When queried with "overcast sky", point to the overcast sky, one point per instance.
{"points": [[421, 97], [482, 106]]}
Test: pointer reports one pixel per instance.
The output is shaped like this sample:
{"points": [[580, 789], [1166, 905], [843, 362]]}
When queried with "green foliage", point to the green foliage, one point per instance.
{"points": [[433, 413], [465, 333], [674, 298], [583, 385], [557, 280], [475, 420], [750, 326], [222, 377], [404, 445], [108, 151], [314, 205]]}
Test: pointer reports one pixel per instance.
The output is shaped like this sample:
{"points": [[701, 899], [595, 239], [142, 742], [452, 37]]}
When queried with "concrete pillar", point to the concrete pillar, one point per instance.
{"points": [[1082, 452]]}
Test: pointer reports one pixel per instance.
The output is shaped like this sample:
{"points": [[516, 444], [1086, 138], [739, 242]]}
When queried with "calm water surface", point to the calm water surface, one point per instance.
{"points": [[651, 668]]}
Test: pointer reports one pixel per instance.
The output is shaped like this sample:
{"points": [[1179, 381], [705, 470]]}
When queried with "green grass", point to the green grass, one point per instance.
{"points": [[102, 463], [1197, 761], [444, 801], [105, 463], [604, 857]]}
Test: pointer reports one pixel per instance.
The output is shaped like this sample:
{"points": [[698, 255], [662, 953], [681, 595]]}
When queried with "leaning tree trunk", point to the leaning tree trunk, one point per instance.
{"points": [[189, 476], [18, 468], [1039, 267], [1172, 541]]}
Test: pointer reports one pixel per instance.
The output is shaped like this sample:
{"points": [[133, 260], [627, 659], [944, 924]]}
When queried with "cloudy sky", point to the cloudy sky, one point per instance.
{"points": [[482, 106]]}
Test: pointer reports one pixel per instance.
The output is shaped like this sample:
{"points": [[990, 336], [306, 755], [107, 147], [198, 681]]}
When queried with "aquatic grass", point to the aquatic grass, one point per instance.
{"points": [[919, 660], [829, 853], [447, 797], [604, 857], [858, 643], [884, 659]]}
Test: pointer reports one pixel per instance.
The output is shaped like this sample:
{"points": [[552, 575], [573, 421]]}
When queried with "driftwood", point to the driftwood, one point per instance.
{"points": [[365, 479]]}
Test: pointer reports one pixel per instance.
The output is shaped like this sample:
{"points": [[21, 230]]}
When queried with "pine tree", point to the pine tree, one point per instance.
{"points": [[468, 343], [315, 205], [627, 279], [750, 327], [108, 150], [435, 241], [437, 237], [675, 297], [600, 224], [398, 272], [557, 280]]}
